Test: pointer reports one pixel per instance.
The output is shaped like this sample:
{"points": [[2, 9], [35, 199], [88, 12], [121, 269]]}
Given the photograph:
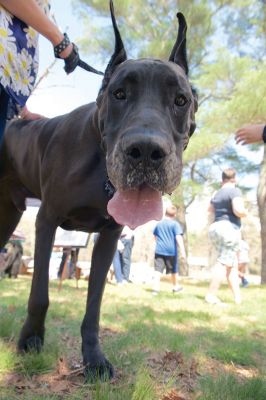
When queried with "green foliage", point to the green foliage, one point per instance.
{"points": [[235, 90], [148, 28]]}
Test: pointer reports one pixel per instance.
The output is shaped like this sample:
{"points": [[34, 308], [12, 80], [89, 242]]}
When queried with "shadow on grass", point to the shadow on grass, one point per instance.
{"points": [[136, 333]]}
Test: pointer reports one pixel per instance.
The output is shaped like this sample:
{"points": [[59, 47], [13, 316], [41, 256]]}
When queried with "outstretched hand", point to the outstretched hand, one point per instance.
{"points": [[249, 134]]}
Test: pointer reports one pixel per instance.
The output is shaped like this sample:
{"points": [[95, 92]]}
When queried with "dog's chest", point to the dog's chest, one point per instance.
{"points": [[87, 219]]}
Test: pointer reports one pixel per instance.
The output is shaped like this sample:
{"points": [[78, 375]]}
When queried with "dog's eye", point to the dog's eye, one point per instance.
{"points": [[119, 94], [180, 100]]}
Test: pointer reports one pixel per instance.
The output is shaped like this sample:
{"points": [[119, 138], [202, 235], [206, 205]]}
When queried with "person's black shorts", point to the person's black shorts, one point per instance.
{"points": [[165, 262]]}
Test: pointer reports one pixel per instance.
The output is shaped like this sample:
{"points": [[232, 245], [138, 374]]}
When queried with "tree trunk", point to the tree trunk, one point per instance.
{"points": [[261, 197]]}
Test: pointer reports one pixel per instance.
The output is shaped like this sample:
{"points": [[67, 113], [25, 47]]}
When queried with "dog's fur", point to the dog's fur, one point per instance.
{"points": [[133, 135]]}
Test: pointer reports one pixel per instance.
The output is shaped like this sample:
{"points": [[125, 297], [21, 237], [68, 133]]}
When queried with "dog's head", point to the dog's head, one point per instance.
{"points": [[146, 117]]}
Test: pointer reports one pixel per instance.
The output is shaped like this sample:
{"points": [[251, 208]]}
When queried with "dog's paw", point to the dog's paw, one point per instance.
{"points": [[102, 371], [32, 343]]}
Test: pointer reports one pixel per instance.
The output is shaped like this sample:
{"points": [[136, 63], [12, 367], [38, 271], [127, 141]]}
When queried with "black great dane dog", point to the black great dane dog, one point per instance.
{"points": [[102, 166]]}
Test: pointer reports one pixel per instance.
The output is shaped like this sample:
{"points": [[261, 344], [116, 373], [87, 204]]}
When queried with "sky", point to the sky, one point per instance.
{"points": [[59, 93]]}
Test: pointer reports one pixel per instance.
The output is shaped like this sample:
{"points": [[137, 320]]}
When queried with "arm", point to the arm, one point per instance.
{"points": [[251, 134], [29, 12], [210, 208], [239, 207], [180, 243]]}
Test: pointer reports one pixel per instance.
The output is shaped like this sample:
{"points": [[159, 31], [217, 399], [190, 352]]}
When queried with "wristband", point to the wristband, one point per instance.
{"points": [[264, 134], [61, 46]]}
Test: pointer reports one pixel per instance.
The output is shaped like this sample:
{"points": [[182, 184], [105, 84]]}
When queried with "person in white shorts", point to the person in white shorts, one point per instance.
{"points": [[227, 208]]}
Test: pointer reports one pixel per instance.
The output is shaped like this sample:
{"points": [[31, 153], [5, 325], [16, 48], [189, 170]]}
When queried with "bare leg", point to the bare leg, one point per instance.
{"points": [[176, 287], [174, 279], [241, 270], [233, 281], [218, 275]]}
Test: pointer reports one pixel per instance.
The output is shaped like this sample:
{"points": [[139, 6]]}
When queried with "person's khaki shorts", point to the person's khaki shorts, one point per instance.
{"points": [[225, 237]]}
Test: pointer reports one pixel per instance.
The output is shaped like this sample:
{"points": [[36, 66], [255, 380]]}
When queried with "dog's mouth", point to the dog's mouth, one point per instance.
{"points": [[135, 207]]}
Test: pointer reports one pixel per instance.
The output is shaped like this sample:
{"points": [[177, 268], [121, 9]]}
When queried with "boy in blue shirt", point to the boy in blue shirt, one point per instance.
{"points": [[169, 237]]}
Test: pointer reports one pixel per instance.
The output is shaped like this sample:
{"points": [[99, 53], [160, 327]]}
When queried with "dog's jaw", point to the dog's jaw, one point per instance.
{"points": [[125, 176], [139, 189]]}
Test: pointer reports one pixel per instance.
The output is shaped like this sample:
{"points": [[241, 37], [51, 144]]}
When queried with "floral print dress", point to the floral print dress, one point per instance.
{"points": [[19, 56]]}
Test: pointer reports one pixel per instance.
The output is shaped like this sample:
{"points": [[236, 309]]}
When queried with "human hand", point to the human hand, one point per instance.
{"points": [[72, 60], [68, 52], [28, 115], [249, 134]]}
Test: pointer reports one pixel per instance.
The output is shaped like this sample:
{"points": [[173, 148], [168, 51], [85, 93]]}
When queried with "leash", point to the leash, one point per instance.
{"points": [[73, 60], [87, 67]]}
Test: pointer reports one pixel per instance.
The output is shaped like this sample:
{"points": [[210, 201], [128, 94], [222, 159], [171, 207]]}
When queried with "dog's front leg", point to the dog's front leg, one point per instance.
{"points": [[96, 365], [32, 333]]}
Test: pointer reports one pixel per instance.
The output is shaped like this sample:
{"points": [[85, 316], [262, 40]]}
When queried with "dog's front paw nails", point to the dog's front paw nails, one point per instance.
{"points": [[32, 343], [102, 371]]}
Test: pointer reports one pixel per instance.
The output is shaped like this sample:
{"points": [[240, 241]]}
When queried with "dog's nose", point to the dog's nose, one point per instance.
{"points": [[146, 152]]}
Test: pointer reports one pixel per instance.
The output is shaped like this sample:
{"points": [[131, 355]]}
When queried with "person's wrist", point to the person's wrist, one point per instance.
{"points": [[264, 134], [65, 53], [64, 48]]}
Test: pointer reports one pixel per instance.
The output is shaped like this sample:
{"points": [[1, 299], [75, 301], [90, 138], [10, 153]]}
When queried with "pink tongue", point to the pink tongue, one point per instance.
{"points": [[136, 207]]}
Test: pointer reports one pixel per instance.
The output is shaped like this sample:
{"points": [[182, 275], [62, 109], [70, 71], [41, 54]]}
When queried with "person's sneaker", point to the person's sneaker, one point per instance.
{"points": [[238, 300], [244, 282], [177, 289], [212, 299]]}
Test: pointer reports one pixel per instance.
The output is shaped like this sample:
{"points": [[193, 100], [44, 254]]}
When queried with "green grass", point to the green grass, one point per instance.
{"points": [[156, 344], [225, 386]]}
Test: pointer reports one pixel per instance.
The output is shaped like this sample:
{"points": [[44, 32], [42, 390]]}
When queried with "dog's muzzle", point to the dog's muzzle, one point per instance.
{"points": [[141, 168], [146, 158]]}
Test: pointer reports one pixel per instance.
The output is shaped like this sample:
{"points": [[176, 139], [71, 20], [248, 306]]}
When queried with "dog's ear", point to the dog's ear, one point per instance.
{"points": [[179, 52], [119, 54]]}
